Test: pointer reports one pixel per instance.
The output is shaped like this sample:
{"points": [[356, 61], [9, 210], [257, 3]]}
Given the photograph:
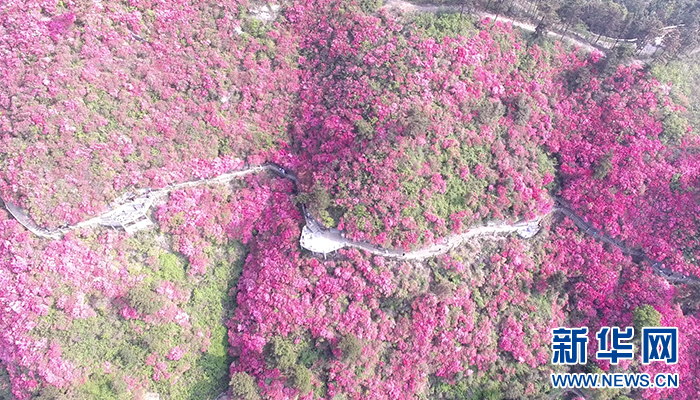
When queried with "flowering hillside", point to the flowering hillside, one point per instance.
{"points": [[101, 98], [402, 130], [447, 131]]}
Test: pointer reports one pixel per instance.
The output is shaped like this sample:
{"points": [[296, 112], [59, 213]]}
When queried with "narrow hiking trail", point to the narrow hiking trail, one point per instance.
{"points": [[128, 209], [131, 213], [602, 44], [405, 6], [319, 239]]}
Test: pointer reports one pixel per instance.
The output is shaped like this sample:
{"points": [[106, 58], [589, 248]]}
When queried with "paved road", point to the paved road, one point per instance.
{"points": [[318, 239], [407, 7]]}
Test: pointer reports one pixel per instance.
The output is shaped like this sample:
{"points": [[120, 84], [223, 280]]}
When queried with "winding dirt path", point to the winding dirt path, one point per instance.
{"points": [[636, 254], [602, 43], [129, 208], [405, 6], [317, 238]]}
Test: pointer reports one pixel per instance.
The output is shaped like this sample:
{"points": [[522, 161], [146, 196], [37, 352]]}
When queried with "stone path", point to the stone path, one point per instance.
{"points": [[131, 213]]}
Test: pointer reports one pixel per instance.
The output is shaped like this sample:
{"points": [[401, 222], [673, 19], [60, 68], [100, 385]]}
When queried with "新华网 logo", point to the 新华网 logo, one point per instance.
{"points": [[659, 344], [614, 349], [569, 345]]}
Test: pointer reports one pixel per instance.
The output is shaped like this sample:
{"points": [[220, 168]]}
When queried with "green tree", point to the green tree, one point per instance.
{"points": [[570, 14], [300, 378], [489, 111], [645, 316], [417, 121], [646, 30], [604, 18], [5, 384], [350, 347], [144, 300], [547, 11], [370, 6], [283, 353], [603, 167], [171, 267], [522, 109], [243, 387], [674, 127], [690, 31], [364, 129], [671, 45]]}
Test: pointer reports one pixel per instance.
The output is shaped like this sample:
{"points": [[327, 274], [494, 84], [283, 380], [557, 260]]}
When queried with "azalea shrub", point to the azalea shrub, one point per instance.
{"points": [[401, 130], [413, 137], [368, 327], [103, 98], [115, 317]]}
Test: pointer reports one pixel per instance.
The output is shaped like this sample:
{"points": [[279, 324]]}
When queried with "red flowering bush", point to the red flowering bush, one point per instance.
{"points": [[407, 134], [622, 173], [102, 98], [400, 134]]}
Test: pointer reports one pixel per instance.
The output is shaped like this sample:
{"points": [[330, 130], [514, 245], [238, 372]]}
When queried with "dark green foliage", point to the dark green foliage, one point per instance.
{"points": [[323, 209], [599, 394], [370, 6], [255, 28], [527, 63], [417, 122], [603, 166], [310, 353], [300, 378], [99, 387], [364, 129], [468, 389], [128, 356], [521, 108], [540, 32], [172, 268], [5, 388], [449, 24], [459, 192], [684, 76], [546, 164], [283, 353], [320, 196], [675, 184], [444, 289], [514, 390], [49, 392], [159, 338], [144, 300], [675, 127], [645, 316], [126, 343], [578, 78], [473, 387], [489, 111], [604, 18], [211, 304], [243, 387], [350, 347], [556, 281], [119, 386], [621, 54]]}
